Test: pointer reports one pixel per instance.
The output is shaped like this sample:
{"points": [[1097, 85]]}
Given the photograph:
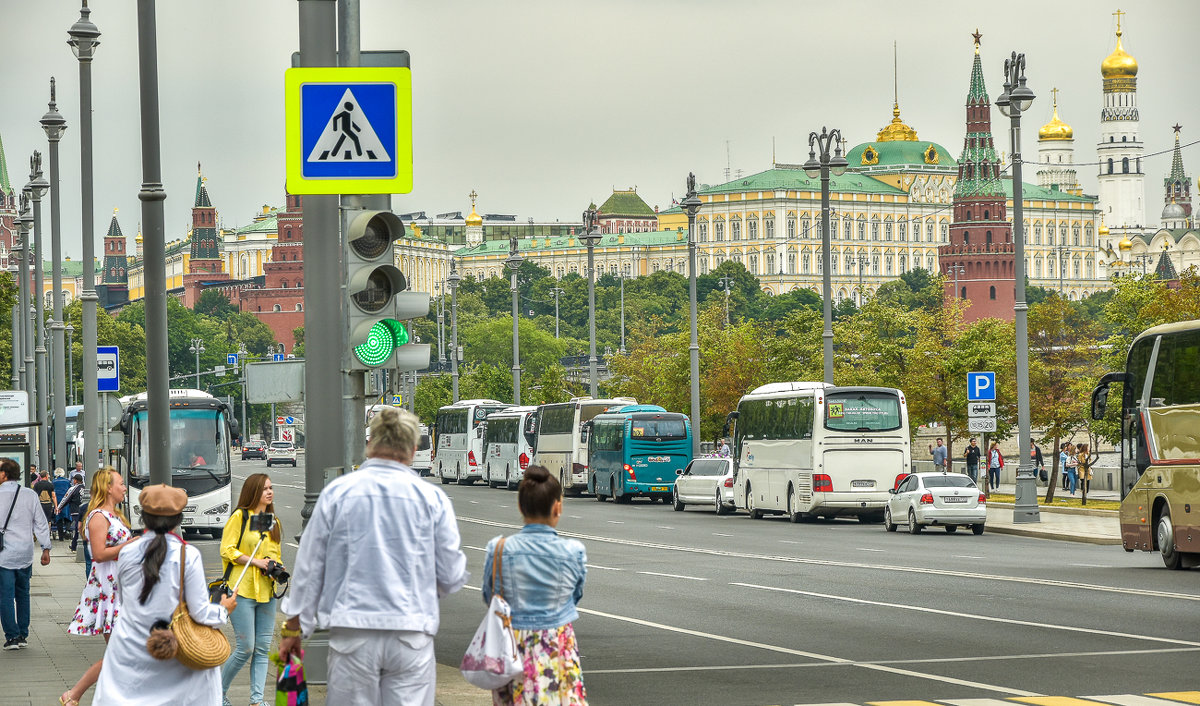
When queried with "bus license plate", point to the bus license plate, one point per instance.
{"points": [[189, 521], [862, 484], [659, 489], [954, 499]]}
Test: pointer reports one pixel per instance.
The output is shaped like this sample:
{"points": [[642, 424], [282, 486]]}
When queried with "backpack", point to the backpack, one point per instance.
{"points": [[45, 498]]}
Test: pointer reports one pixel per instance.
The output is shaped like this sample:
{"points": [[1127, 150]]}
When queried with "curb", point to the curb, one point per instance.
{"points": [[1042, 534], [1064, 510]]}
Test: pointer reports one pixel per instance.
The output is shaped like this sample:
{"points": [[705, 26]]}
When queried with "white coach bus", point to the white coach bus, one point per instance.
{"points": [[508, 446], [808, 449], [458, 454], [562, 447]]}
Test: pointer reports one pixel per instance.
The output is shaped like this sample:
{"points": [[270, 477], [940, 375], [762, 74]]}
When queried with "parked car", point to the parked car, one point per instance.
{"points": [[951, 500], [706, 481], [281, 452], [254, 449]]}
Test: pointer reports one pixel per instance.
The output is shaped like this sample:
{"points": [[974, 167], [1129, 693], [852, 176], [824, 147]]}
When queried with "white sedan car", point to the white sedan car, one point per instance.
{"points": [[947, 499], [706, 481]]}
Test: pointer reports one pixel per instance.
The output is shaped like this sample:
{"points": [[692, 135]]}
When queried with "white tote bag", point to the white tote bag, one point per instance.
{"points": [[492, 659]]}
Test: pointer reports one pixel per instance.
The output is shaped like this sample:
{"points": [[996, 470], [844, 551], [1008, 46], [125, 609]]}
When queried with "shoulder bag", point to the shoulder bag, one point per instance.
{"points": [[220, 587], [4, 530], [492, 659], [200, 646]]}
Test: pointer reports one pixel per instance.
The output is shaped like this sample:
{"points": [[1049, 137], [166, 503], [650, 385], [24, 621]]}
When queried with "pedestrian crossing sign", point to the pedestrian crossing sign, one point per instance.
{"points": [[349, 130]]}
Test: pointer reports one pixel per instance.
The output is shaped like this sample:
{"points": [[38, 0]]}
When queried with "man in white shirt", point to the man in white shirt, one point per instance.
{"points": [[380, 549], [21, 519]]}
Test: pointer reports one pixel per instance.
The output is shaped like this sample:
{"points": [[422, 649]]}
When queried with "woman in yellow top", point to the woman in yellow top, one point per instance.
{"points": [[254, 618]]}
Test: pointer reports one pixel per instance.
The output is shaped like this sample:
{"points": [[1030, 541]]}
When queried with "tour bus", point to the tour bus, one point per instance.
{"points": [[809, 449], [422, 461], [201, 429], [460, 427], [1160, 442], [561, 446], [508, 446], [637, 451]]}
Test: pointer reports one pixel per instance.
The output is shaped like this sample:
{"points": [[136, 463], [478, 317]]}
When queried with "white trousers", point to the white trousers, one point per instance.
{"points": [[380, 668]]}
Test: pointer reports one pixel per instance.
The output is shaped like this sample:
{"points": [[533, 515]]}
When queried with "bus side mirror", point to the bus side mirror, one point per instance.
{"points": [[1099, 401]]}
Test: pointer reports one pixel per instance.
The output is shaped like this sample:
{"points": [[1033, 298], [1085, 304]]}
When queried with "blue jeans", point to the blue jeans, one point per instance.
{"points": [[973, 472], [14, 601], [254, 624], [993, 477], [1072, 478]]}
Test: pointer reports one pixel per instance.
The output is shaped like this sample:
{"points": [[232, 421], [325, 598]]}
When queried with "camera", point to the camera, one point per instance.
{"points": [[262, 522], [276, 572]]}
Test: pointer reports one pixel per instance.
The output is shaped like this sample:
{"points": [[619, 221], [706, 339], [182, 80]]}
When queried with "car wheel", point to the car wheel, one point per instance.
{"points": [[887, 520], [1166, 542], [755, 514], [977, 529], [293, 464], [913, 527], [793, 502], [718, 506], [678, 504], [951, 529]]}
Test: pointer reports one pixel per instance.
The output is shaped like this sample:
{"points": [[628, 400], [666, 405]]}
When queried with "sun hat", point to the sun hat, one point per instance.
{"points": [[162, 500]]}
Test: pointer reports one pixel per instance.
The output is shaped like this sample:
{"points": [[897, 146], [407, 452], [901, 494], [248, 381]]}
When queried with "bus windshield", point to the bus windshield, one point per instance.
{"points": [[199, 446], [862, 412], [657, 429]]}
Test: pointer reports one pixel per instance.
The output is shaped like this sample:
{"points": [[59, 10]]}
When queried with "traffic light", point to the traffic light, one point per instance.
{"points": [[377, 302]]}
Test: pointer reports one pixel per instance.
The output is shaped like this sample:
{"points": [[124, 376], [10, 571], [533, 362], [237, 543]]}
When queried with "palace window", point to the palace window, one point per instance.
{"points": [[735, 230], [1110, 165], [805, 225], [1087, 234], [704, 232], [737, 258], [991, 292], [1075, 268], [929, 264], [770, 263], [929, 232], [903, 231], [875, 228], [849, 227], [791, 262], [1062, 234], [791, 228], [875, 265], [753, 264], [1124, 165], [1075, 234], [752, 230], [887, 265], [806, 263], [769, 226], [887, 230], [862, 228], [945, 233]]}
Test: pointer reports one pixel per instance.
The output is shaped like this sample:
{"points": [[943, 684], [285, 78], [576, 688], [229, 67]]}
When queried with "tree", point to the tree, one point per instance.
{"points": [[8, 300], [213, 302], [298, 336]]}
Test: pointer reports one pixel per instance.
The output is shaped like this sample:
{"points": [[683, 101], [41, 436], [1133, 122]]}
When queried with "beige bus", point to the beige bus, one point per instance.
{"points": [[1160, 442]]}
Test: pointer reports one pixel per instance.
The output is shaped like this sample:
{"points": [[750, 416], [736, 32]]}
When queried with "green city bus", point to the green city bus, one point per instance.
{"points": [[1160, 442]]}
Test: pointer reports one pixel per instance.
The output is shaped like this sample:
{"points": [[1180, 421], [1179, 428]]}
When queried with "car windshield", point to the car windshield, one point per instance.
{"points": [[951, 480], [862, 411]]}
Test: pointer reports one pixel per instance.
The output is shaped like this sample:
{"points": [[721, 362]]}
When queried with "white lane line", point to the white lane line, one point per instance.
{"points": [[966, 556], [575, 517], [602, 568], [1131, 700], [869, 549], [615, 522], [504, 506], [288, 507], [473, 502], [665, 527], [293, 544], [672, 576], [478, 549], [971, 616], [789, 541], [1094, 566], [1040, 582], [718, 534]]}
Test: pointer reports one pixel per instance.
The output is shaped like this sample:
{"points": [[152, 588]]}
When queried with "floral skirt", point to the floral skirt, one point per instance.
{"points": [[98, 606], [553, 676]]}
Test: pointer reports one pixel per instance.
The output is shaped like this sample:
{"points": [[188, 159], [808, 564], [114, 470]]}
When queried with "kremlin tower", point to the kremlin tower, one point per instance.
{"points": [[1122, 183], [1177, 196], [978, 262], [204, 265], [114, 277]]}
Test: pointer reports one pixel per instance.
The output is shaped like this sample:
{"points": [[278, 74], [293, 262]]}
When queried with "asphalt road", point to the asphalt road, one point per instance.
{"points": [[688, 607]]}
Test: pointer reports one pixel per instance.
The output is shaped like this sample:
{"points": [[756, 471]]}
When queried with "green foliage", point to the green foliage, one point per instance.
{"points": [[214, 303], [8, 299]]}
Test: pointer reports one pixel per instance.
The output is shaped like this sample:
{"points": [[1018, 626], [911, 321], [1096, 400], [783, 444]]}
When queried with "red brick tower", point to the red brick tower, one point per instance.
{"points": [[980, 252], [204, 264], [280, 301]]}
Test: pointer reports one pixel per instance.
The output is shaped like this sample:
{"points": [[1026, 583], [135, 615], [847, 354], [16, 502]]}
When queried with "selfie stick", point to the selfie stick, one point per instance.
{"points": [[262, 537]]}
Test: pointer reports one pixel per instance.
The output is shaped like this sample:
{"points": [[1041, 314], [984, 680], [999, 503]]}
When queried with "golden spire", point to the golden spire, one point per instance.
{"points": [[1056, 129], [1119, 64], [896, 131], [474, 219]]}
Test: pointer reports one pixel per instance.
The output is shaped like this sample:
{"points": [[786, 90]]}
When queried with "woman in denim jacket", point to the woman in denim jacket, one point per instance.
{"points": [[542, 581]]}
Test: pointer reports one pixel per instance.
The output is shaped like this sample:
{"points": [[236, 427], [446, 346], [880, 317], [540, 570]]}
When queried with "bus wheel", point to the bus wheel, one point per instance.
{"points": [[951, 529], [459, 476], [754, 513], [621, 498], [1166, 542], [793, 502], [442, 475]]}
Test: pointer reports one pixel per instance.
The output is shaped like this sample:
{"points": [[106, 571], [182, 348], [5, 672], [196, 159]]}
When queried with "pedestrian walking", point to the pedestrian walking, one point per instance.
{"points": [[106, 531], [972, 455], [1071, 463], [23, 521], [62, 520], [939, 454], [70, 505], [254, 618], [1084, 460], [995, 463], [380, 549], [45, 492], [33, 474], [148, 572], [1039, 463], [542, 577]]}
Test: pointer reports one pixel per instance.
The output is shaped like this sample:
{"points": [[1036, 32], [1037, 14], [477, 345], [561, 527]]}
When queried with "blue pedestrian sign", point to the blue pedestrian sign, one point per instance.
{"points": [[231, 359], [349, 130], [397, 401], [108, 369], [277, 357], [981, 387]]}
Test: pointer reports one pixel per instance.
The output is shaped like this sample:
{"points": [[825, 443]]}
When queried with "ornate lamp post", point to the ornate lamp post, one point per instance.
{"points": [[197, 348], [38, 186], [84, 38], [513, 262], [55, 125], [556, 291], [1014, 101], [24, 222], [822, 167], [591, 236], [691, 206], [71, 365], [452, 281], [956, 270], [726, 283]]}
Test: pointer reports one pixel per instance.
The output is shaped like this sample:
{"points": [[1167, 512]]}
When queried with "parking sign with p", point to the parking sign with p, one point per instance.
{"points": [[981, 387]]}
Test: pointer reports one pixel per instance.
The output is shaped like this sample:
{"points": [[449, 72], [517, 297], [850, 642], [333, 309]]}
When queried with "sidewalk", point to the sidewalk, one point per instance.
{"points": [[1061, 523], [54, 660]]}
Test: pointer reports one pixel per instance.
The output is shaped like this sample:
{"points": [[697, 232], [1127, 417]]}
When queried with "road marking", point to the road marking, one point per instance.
{"points": [[789, 541], [901, 703], [1094, 566], [869, 549], [504, 506], [972, 616], [293, 544], [1055, 701], [602, 568], [575, 517], [288, 507], [1191, 697], [672, 576], [1041, 582], [665, 527], [615, 522], [473, 502], [718, 534], [1132, 700], [966, 556]]}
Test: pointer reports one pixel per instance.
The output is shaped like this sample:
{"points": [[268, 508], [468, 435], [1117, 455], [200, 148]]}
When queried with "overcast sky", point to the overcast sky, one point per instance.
{"points": [[541, 106]]}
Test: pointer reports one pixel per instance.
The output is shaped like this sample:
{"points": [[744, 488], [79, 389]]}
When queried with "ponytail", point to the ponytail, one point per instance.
{"points": [[156, 553]]}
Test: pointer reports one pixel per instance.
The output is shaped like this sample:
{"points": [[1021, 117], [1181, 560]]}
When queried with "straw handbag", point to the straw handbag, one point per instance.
{"points": [[200, 646]]}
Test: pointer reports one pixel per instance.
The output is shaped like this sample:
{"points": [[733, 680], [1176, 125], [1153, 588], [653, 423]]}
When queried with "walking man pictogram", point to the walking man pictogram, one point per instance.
{"points": [[344, 122]]}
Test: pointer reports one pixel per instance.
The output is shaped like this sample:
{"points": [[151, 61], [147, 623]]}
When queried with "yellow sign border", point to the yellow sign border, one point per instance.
{"points": [[293, 79]]}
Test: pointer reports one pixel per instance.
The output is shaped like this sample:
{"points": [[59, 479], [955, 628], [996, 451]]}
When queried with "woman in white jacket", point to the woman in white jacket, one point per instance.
{"points": [[148, 573]]}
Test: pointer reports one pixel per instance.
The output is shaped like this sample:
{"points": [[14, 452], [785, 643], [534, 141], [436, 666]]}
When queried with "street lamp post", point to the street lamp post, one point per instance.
{"points": [[622, 315], [821, 165], [556, 291], [71, 365], [242, 353], [38, 187], [691, 206], [24, 223], [54, 124], [84, 38], [861, 261], [1061, 251], [591, 236], [452, 281], [726, 283], [956, 270], [197, 348], [1015, 100], [514, 263], [441, 321]]}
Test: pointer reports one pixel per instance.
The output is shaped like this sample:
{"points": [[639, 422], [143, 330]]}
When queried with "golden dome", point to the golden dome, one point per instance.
{"points": [[1056, 129], [1119, 64], [896, 131], [1103, 229], [1126, 244], [474, 219]]}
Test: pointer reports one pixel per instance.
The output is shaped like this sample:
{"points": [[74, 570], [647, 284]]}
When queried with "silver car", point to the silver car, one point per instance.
{"points": [[706, 481], [948, 499]]}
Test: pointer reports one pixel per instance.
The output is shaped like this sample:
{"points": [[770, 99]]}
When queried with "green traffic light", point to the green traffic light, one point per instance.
{"points": [[385, 336]]}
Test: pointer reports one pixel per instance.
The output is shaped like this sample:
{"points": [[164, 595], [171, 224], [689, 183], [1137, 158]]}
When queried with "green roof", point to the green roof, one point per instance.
{"points": [[626, 203], [114, 229], [202, 200], [1036, 193], [796, 180], [5, 185], [900, 153], [267, 224], [70, 268], [978, 90], [525, 245]]}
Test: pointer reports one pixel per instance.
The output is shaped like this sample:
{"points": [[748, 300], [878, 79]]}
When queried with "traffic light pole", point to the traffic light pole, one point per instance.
{"points": [[322, 288]]}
